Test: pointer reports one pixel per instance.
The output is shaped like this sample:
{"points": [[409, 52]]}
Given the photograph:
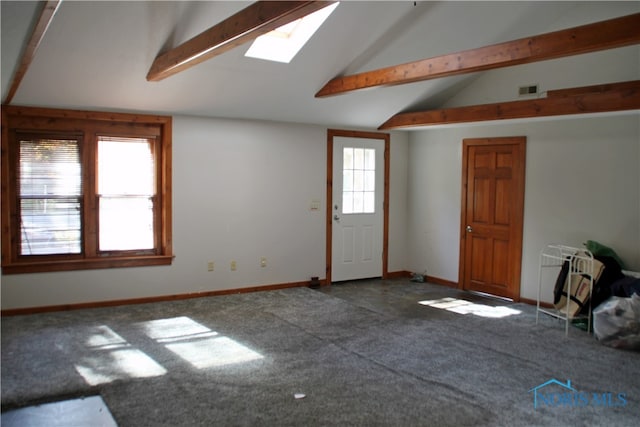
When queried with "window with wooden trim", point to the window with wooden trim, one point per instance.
{"points": [[84, 190]]}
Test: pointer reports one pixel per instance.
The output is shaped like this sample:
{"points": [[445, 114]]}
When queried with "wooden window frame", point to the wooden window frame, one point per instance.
{"points": [[89, 125]]}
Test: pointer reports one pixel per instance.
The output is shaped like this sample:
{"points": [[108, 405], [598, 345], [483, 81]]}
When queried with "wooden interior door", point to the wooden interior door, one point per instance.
{"points": [[493, 184]]}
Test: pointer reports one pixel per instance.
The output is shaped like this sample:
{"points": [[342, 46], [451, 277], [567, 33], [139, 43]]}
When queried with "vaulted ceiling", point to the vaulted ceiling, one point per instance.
{"points": [[96, 56]]}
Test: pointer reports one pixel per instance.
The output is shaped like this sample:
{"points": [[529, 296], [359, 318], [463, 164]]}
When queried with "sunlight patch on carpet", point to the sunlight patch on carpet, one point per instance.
{"points": [[110, 357], [461, 306], [197, 344]]}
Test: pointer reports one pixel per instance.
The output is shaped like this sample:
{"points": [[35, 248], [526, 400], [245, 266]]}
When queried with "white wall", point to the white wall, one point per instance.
{"points": [[433, 207], [582, 182], [398, 201], [241, 190]]}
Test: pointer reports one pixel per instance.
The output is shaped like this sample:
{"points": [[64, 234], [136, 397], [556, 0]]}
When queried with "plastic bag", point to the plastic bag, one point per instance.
{"points": [[616, 322], [415, 277]]}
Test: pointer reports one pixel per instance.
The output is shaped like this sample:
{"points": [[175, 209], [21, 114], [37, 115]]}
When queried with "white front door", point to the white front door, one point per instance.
{"points": [[358, 200]]}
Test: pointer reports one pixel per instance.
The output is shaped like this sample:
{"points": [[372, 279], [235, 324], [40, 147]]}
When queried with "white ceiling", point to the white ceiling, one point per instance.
{"points": [[96, 55]]}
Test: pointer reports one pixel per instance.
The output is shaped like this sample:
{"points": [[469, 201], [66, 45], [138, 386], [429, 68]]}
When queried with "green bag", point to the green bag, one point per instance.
{"points": [[598, 249]]}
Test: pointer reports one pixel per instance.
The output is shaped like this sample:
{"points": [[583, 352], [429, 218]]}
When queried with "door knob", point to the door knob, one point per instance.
{"points": [[336, 217], [469, 229]]}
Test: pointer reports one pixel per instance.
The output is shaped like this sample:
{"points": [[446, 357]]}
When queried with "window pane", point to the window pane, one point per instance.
{"points": [[358, 202], [358, 180], [125, 167], [126, 223], [347, 180], [369, 180], [49, 167], [370, 159], [50, 226], [126, 185], [359, 176], [358, 158], [49, 186], [369, 202], [347, 158], [347, 202]]}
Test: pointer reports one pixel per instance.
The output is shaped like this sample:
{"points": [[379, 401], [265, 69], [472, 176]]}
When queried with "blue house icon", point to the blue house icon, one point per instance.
{"points": [[536, 389]]}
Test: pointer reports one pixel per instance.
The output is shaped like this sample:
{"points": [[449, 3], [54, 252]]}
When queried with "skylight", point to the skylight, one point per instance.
{"points": [[283, 43]]}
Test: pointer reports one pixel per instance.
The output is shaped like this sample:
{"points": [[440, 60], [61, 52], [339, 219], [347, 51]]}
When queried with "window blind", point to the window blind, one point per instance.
{"points": [[50, 190]]}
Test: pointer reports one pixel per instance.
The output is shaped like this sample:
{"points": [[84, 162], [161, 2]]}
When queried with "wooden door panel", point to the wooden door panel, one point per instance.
{"points": [[488, 274], [500, 251], [502, 207], [504, 160], [480, 200], [479, 252], [492, 215], [482, 160]]}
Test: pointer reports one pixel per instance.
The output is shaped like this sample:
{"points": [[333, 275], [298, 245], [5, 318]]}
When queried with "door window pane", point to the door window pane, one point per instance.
{"points": [[347, 180], [358, 180], [358, 202], [358, 158], [347, 202], [359, 177], [369, 200], [370, 159], [369, 180], [347, 158]]}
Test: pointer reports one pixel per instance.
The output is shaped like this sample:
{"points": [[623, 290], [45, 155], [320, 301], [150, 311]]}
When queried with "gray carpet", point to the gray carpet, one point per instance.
{"points": [[361, 353]]}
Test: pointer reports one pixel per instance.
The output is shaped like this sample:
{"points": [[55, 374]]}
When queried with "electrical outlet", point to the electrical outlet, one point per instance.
{"points": [[210, 266], [263, 262], [234, 266]]}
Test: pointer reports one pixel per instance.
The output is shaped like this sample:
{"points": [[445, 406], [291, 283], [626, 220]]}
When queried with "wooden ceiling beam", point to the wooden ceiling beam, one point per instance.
{"points": [[633, 84], [49, 9], [589, 99], [613, 33], [246, 25]]}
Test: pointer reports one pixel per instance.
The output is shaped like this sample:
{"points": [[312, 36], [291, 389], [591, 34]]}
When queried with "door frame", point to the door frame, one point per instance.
{"points": [[520, 141], [331, 134]]}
